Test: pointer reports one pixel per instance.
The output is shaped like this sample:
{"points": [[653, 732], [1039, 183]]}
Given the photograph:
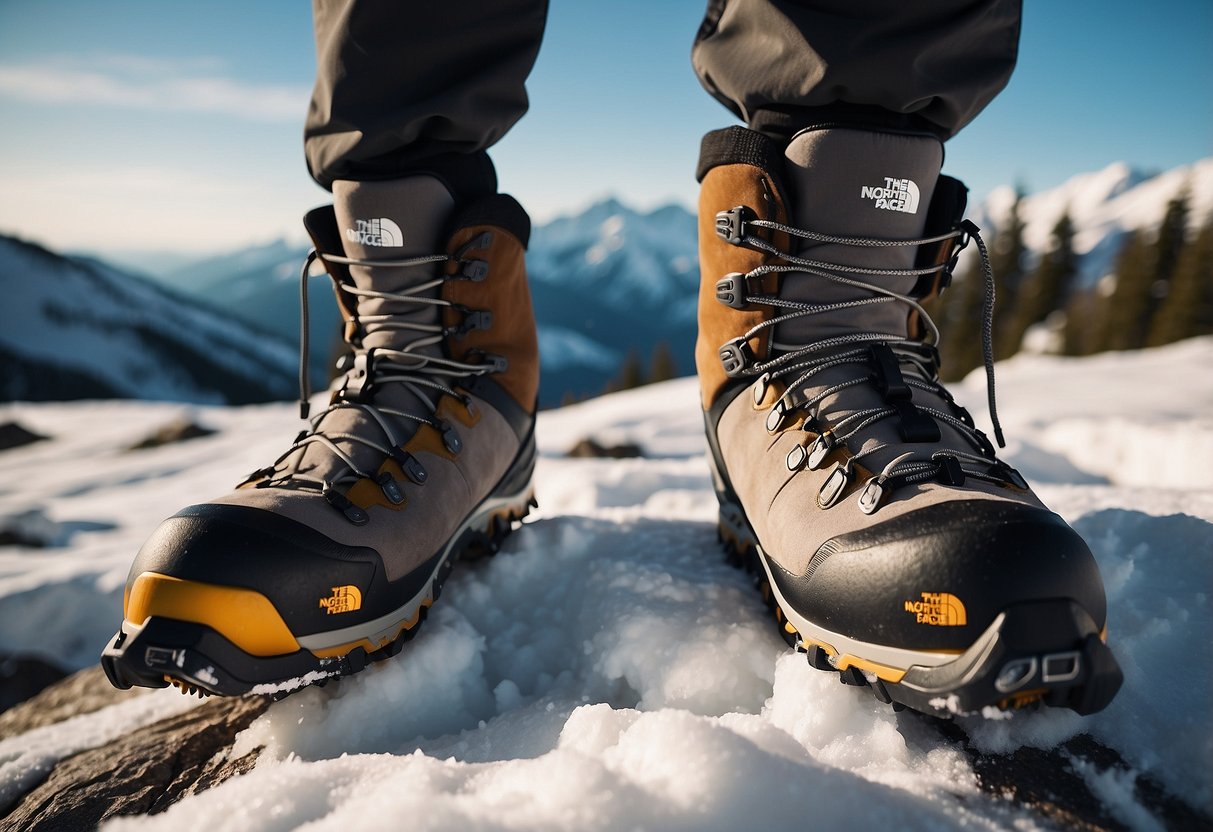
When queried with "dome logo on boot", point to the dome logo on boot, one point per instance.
{"points": [[379, 232], [938, 609], [894, 195], [343, 599]]}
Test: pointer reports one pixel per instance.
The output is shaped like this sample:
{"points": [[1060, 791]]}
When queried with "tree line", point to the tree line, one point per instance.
{"points": [[1160, 290]]}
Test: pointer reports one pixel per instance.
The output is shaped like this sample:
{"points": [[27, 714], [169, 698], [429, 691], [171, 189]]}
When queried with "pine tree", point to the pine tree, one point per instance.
{"points": [[1007, 255], [1187, 310], [1081, 333], [958, 314], [631, 374], [1125, 312], [661, 364], [1169, 246], [1047, 287]]}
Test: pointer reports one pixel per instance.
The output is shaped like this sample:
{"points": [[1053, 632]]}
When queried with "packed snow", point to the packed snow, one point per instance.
{"points": [[608, 670]]}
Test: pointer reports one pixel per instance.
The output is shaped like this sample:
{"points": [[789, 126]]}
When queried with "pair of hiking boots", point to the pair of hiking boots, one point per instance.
{"points": [[892, 544]]}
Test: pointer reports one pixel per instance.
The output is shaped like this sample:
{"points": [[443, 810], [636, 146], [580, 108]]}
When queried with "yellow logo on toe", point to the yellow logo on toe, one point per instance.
{"points": [[939, 609], [343, 599]]}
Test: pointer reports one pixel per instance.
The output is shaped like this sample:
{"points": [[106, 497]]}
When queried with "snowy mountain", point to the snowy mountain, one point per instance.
{"points": [[611, 280], [604, 282], [608, 670], [73, 328], [1105, 205], [608, 281]]}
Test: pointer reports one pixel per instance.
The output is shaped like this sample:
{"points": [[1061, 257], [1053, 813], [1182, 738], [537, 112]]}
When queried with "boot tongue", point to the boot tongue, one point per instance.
{"points": [[393, 220], [856, 183]]}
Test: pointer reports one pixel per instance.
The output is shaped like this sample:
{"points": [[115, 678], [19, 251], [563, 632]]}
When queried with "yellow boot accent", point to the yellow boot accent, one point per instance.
{"points": [[245, 618]]}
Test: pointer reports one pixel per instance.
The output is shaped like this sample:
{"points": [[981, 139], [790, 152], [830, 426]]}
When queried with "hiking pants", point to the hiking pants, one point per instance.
{"points": [[410, 87]]}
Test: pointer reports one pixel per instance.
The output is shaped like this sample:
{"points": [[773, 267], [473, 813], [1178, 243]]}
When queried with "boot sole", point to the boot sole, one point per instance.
{"points": [[199, 660], [1048, 652]]}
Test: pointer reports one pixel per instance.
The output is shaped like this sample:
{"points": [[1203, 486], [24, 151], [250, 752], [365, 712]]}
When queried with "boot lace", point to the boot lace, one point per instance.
{"points": [[427, 376], [875, 357]]}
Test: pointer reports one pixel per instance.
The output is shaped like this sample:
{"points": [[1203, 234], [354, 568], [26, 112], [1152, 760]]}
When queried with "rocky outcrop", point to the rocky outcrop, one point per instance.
{"points": [[142, 772]]}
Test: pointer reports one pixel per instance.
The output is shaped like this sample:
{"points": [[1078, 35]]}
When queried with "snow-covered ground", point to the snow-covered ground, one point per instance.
{"points": [[608, 670]]}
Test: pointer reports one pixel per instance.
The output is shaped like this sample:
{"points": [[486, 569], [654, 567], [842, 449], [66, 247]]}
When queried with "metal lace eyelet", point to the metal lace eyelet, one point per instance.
{"points": [[760, 388], [820, 450], [872, 496], [777, 416], [797, 457], [834, 486]]}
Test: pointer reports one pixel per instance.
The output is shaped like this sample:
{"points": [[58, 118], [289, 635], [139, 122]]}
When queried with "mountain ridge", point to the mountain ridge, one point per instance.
{"points": [[611, 280]]}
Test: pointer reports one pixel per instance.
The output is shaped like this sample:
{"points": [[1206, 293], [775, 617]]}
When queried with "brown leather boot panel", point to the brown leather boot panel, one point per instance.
{"points": [[725, 187], [943, 252], [505, 293]]}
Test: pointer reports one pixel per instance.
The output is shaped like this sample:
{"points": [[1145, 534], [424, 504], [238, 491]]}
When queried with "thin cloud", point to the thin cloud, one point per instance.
{"points": [[162, 86]]}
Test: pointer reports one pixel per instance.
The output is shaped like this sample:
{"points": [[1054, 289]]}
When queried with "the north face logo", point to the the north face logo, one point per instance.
{"points": [[380, 232], [938, 609], [343, 599], [893, 195]]}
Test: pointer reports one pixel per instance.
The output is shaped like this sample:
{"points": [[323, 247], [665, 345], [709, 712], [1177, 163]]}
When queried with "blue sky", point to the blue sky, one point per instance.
{"points": [[136, 125]]}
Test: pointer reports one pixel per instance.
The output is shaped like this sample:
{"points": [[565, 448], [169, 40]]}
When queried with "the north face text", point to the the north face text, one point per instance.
{"points": [[379, 232], [893, 195]]}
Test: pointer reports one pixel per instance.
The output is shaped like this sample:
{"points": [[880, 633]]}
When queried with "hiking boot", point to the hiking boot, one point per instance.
{"points": [[329, 557], [893, 545]]}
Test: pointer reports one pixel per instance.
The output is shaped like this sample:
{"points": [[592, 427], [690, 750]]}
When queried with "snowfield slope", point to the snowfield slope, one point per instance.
{"points": [[72, 328], [608, 670]]}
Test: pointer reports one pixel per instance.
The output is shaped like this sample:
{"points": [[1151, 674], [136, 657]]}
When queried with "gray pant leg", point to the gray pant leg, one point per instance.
{"points": [[403, 87], [781, 65]]}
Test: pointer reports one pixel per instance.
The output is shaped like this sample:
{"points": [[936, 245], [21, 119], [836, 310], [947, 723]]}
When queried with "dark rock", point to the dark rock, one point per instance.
{"points": [[13, 435], [30, 528], [143, 772], [589, 448], [81, 693], [1048, 782], [22, 676], [176, 431]]}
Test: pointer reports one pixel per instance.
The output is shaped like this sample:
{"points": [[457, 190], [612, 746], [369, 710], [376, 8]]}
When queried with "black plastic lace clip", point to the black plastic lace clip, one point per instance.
{"points": [[889, 380], [391, 488], [492, 362], [1006, 472], [735, 356], [473, 270], [353, 513], [730, 224], [261, 474], [408, 463], [473, 320], [450, 436], [731, 290], [915, 426], [950, 472]]}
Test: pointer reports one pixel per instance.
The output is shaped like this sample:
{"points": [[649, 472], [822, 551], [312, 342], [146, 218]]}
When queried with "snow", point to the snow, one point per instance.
{"points": [[608, 670]]}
